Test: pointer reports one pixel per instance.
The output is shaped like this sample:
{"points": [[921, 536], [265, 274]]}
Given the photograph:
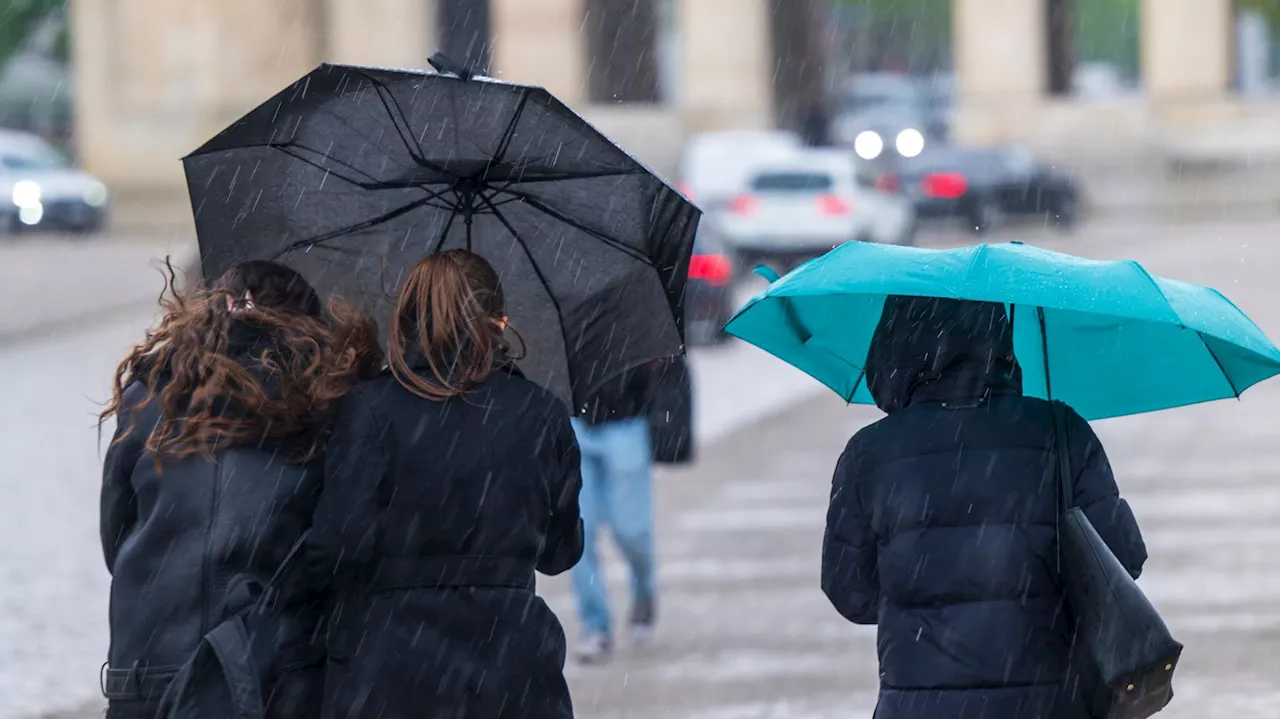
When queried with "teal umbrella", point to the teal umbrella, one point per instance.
{"points": [[1118, 340]]}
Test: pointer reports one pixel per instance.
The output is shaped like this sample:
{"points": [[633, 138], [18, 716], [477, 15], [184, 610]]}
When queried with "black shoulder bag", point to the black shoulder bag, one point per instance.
{"points": [[1115, 627]]}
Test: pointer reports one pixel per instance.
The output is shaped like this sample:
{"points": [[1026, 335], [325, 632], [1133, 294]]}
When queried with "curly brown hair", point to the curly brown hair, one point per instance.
{"points": [[215, 391]]}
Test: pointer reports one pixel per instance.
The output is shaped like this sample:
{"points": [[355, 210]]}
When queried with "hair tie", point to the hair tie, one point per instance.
{"points": [[242, 305]]}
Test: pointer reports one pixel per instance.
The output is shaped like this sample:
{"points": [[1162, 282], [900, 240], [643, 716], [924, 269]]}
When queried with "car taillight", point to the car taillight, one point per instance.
{"points": [[714, 269], [945, 185], [743, 205], [833, 205], [889, 183]]}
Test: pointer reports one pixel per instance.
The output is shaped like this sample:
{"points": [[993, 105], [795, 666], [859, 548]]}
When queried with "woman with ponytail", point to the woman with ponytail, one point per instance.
{"points": [[450, 480], [212, 477]]}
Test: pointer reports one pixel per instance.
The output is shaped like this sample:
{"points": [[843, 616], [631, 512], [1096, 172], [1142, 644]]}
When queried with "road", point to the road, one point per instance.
{"points": [[744, 633]]}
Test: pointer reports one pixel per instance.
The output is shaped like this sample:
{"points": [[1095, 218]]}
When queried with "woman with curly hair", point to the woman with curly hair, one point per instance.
{"points": [[213, 475]]}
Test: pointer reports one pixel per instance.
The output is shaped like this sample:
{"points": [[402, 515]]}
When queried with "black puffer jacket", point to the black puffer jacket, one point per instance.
{"points": [[941, 528], [182, 547]]}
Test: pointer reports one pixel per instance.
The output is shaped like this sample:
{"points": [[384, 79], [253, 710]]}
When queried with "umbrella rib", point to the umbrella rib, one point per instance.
{"points": [[1204, 341], [374, 185], [414, 152], [862, 375], [607, 240], [372, 222], [563, 176], [546, 286], [510, 132], [410, 146], [444, 234]]}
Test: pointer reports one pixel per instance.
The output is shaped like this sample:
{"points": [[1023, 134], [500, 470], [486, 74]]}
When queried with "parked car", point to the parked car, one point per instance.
{"points": [[708, 301], [715, 165], [982, 186], [812, 202], [40, 188], [884, 114]]}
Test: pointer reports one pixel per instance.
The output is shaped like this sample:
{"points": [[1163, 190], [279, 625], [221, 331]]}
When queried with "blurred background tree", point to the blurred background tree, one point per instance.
{"points": [[1108, 31], [35, 87], [915, 36], [1269, 9], [895, 35], [19, 21]]}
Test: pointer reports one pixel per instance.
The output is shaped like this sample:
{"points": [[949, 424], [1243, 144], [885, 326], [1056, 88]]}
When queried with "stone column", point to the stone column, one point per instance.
{"points": [[389, 33], [727, 64], [541, 43], [1186, 48], [1001, 67]]}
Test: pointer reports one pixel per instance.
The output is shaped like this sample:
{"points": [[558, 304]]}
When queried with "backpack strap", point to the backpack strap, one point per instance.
{"points": [[229, 650], [232, 647]]}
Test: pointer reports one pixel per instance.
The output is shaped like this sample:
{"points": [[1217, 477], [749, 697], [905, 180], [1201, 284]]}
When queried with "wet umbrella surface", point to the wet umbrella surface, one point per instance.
{"points": [[1107, 338], [352, 174]]}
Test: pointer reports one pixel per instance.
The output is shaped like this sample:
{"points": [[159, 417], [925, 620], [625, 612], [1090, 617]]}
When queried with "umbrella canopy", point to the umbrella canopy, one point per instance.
{"points": [[1107, 338], [352, 174]]}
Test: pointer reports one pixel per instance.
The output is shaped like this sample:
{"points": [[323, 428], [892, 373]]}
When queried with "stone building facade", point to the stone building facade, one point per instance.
{"points": [[155, 78]]}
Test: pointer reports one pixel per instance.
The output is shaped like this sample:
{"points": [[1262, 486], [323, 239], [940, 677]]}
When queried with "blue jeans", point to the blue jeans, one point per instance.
{"points": [[617, 491]]}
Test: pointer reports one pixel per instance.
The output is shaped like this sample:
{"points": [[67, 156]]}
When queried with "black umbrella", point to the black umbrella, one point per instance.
{"points": [[352, 174]]}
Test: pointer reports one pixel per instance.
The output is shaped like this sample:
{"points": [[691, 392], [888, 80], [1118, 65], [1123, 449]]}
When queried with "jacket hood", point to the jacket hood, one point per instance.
{"points": [[928, 349]]}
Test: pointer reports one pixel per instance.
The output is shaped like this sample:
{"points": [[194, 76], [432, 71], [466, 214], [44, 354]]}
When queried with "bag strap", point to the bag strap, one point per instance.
{"points": [[277, 579], [1064, 481], [232, 647]]}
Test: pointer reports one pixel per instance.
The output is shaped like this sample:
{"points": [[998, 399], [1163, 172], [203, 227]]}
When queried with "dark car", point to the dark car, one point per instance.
{"points": [[708, 300], [984, 185]]}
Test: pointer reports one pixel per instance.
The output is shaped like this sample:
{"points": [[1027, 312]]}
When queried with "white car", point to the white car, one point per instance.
{"points": [[39, 187], [715, 165], [816, 200]]}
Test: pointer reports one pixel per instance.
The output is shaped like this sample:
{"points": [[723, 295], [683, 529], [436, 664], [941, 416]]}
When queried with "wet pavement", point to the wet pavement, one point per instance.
{"points": [[744, 631]]}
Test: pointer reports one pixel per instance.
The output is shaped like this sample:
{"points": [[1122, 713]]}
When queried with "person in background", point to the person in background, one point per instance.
{"points": [[212, 476], [450, 480], [617, 492], [942, 524]]}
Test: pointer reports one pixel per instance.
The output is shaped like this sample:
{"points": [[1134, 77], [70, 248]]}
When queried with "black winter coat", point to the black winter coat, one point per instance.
{"points": [[434, 518], [941, 528], [184, 549]]}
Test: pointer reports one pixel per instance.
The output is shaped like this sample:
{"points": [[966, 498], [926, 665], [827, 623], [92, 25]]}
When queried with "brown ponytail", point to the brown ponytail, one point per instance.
{"points": [[450, 314]]}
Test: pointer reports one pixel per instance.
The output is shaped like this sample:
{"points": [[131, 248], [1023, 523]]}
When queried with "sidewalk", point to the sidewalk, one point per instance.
{"points": [[53, 283]]}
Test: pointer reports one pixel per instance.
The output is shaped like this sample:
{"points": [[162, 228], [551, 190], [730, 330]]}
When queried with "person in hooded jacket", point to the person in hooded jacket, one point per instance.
{"points": [[942, 523], [211, 477], [450, 479]]}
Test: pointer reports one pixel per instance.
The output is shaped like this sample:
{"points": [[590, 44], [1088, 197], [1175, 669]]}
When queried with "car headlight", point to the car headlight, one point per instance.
{"points": [[868, 145], [910, 142], [26, 193], [95, 194]]}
